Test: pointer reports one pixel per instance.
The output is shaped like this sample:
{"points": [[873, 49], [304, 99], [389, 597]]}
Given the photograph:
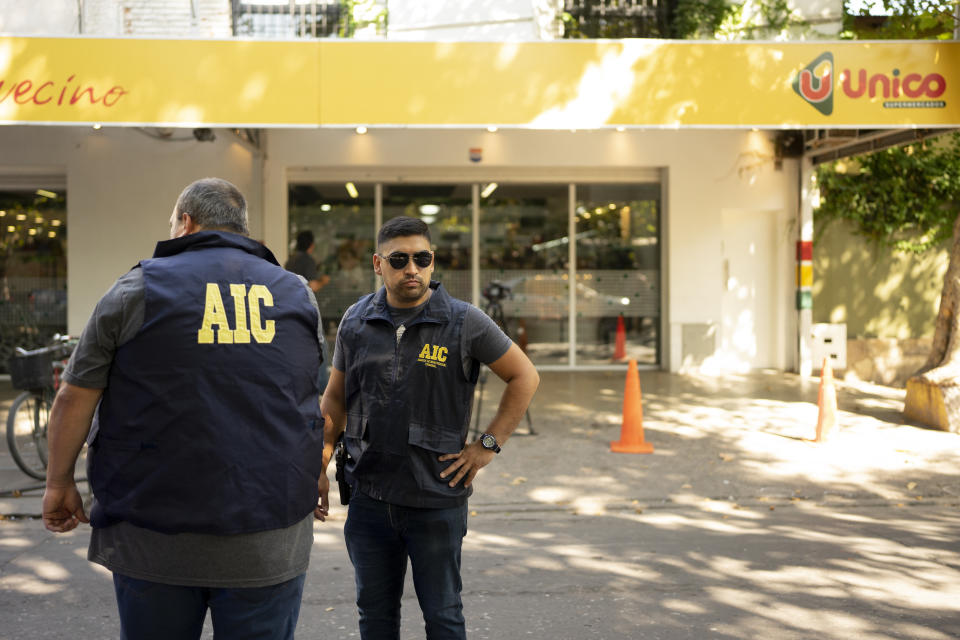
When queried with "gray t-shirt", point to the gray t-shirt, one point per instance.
{"points": [[302, 264], [480, 341], [245, 560]]}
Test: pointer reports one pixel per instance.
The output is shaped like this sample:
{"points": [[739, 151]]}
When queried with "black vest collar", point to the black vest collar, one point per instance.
{"points": [[437, 308], [208, 239]]}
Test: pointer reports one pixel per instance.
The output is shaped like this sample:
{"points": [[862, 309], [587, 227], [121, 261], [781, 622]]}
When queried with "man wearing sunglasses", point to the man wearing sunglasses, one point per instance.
{"points": [[406, 362]]}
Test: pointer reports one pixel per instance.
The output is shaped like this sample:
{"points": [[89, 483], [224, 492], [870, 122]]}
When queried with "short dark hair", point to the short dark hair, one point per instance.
{"points": [[304, 240], [214, 203], [402, 227]]}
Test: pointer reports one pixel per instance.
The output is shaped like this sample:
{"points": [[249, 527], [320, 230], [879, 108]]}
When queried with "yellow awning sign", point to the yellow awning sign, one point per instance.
{"points": [[570, 84]]}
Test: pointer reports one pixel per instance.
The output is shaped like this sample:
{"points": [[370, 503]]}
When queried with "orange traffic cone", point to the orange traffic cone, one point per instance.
{"points": [[826, 403], [620, 346], [631, 431]]}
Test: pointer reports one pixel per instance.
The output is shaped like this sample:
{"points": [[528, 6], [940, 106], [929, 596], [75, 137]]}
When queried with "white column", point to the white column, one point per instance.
{"points": [[572, 270], [809, 199], [274, 229], [377, 210], [475, 246]]}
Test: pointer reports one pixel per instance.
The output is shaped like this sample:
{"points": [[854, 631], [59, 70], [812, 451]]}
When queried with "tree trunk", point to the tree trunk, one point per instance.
{"points": [[933, 393]]}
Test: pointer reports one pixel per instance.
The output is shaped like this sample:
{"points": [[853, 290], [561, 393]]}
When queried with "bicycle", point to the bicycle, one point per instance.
{"points": [[37, 372]]}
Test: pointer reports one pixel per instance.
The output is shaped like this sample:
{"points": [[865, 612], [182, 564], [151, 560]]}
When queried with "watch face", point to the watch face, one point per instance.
{"points": [[488, 441]]}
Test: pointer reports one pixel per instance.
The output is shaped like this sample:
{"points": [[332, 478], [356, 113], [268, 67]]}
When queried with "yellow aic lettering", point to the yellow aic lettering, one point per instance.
{"points": [[215, 315], [241, 335], [262, 332], [433, 355]]}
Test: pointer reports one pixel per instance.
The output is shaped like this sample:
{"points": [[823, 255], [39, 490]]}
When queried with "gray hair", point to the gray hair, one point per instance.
{"points": [[214, 204]]}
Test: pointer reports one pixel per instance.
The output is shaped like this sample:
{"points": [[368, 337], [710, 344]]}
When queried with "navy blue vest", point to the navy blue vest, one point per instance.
{"points": [[408, 400], [210, 421]]}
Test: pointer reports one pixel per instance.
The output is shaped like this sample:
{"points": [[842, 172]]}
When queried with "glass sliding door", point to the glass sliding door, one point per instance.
{"points": [[523, 244], [342, 224], [448, 210], [618, 273]]}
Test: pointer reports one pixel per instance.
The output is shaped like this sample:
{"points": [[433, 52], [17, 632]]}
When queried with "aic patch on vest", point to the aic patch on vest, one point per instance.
{"points": [[433, 355], [215, 315]]}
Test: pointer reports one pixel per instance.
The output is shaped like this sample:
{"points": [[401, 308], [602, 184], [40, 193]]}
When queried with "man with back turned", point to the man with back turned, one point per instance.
{"points": [[195, 386]]}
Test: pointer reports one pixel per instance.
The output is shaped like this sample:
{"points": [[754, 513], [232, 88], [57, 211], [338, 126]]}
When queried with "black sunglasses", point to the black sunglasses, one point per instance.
{"points": [[398, 260]]}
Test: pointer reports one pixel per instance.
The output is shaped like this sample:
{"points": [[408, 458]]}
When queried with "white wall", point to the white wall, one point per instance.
{"points": [[26, 17], [825, 16], [144, 18], [469, 19], [121, 188]]}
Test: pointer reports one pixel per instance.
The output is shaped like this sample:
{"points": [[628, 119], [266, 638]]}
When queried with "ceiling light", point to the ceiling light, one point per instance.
{"points": [[2, 213], [97, 126], [32, 232], [45, 193], [621, 129], [325, 207], [56, 223], [487, 190], [492, 129], [38, 220], [612, 206], [361, 130], [21, 216], [11, 228], [429, 209], [52, 234], [352, 190]]}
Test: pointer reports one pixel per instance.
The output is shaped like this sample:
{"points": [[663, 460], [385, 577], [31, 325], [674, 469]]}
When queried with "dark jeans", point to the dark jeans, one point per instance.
{"points": [[150, 610], [380, 537]]}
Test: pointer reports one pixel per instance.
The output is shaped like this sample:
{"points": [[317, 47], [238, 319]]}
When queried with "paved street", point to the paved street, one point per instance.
{"points": [[737, 526]]}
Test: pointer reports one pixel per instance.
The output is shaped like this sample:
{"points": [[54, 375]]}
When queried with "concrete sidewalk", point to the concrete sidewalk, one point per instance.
{"points": [[737, 526]]}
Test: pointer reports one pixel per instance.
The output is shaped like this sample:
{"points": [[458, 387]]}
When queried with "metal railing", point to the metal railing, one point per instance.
{"points": [[287, 19], [611, 8], [615, 18]]}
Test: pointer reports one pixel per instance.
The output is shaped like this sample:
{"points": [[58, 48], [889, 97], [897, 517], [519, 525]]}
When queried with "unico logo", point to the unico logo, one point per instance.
{"points": [[817, 89]]}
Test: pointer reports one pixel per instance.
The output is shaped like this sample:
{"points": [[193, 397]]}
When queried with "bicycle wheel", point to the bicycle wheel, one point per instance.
{"points": [[27, 433]]}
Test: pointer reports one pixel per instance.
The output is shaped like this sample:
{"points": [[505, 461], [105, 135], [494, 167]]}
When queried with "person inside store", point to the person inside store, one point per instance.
{"points": [[205, 480], [406, 361], [303, 264]]}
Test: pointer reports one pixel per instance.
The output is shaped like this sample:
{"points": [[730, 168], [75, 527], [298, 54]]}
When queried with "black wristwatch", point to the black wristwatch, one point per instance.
{"points": [[487, 441]]}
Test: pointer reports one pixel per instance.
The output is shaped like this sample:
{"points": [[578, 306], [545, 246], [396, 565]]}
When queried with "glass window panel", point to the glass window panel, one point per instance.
{"points": [[343, 230], [447, 209], [524, 245], [618, 273], [33, 268]]}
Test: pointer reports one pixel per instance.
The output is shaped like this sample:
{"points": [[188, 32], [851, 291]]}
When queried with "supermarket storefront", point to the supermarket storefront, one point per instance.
{"points": [[640, 184]]}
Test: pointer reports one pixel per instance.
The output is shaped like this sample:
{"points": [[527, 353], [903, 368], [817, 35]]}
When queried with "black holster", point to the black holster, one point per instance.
{"points": [[341, 456]]}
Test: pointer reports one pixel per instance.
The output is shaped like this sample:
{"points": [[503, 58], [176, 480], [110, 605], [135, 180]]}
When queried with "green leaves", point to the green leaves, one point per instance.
{"points": [[901, 19], [905, 197]]}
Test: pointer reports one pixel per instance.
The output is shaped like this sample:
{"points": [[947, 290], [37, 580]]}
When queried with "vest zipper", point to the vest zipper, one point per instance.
{"points": [[396, 352]]}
